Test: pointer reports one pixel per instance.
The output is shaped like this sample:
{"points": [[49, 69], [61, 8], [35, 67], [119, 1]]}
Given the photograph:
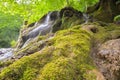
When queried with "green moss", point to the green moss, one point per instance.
{"points": [[68, 22], [19, 69], [29, 74], [90, 75], [107, 33], [60, 69], [5, 64], [71, 42]]}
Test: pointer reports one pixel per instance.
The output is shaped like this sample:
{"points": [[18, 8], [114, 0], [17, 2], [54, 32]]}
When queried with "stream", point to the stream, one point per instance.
{"points": [[5, 53]]}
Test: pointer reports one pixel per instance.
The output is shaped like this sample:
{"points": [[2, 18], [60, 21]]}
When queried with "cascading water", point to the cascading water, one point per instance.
{"points": [[43, 28], [40, 28], [86, 17], [6, 53]]}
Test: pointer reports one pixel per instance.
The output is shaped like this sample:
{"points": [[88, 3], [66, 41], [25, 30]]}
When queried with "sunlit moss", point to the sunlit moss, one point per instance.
{"points": [[60, 69], [29, 74]]}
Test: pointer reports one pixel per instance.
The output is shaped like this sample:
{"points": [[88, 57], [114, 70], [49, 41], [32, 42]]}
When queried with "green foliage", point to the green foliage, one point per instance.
{"points": [[32, 10], [13, 43], [82, 5], [117, 18], [9, 28]]}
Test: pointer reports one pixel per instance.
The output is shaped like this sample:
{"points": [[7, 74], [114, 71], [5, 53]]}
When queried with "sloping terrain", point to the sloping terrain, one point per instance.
{"points": [[72, 51]]}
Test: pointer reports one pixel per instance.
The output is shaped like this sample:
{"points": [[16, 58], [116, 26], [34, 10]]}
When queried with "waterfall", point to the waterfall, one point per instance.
{"points": [[43, 28], [38, 29], [86, 17]]}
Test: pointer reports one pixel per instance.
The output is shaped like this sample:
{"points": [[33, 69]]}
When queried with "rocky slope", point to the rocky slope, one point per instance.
{"points": [[72, 49]]}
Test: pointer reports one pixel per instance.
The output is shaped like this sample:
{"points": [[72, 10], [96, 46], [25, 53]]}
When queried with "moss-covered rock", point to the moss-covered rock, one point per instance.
{"points": [[67, 58]]}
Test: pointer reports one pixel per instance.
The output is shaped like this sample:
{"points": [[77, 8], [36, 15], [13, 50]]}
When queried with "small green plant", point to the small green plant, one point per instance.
{"points": [[117, 18], [13, 43]]}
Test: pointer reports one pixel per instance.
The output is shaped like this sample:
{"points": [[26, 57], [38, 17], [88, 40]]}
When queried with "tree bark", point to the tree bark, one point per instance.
{"points": [[105, 10]]}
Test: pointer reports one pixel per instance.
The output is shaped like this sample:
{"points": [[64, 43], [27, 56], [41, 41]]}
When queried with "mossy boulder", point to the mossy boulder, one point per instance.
{"points": [[67, 58]]}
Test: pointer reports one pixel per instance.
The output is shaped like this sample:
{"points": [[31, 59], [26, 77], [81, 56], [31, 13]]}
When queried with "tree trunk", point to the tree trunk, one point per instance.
{"points": [[105, 10]]}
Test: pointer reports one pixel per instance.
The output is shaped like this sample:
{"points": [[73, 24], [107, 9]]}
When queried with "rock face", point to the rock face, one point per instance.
{"points": [[65, 51], [109, 59]]}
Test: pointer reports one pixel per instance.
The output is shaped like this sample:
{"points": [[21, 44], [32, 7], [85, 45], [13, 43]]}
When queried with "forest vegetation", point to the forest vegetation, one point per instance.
{"points": [[60, 39]]}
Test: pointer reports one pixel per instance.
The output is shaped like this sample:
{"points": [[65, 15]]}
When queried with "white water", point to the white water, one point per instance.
{"points": [[44, 24], [42, 28], [7, 53], [86, 17]]}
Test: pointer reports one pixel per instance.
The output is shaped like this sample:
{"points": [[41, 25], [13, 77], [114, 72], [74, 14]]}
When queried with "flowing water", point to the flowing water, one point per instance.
{"points": [[86, 17], [43, 28], [6, 53]]}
